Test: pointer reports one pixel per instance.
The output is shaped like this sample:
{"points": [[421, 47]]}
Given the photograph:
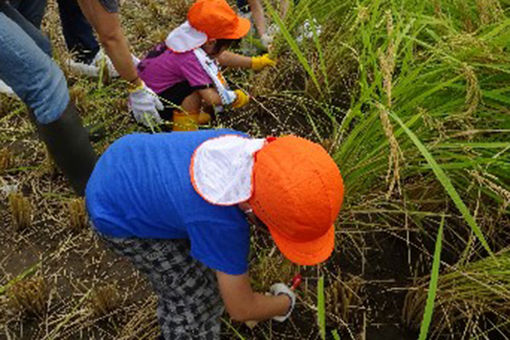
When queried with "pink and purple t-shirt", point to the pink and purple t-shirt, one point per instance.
{"points": [[162, 69]]}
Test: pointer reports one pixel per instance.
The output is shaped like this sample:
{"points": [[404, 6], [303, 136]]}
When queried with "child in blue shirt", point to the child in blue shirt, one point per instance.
{"points": [[176, 204]]}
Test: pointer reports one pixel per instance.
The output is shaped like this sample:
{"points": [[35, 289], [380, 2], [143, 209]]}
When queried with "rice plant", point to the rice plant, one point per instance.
{"points": [[104, 299], [6, 159], [473, 296], [77, 211], [321, 308], [29, 296], [432, 291], [21, 211]]}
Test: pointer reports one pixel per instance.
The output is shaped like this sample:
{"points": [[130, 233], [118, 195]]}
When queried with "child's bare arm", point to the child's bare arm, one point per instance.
{"points": [[243, 304], [231, 59], [258, 16], [210, 96]]}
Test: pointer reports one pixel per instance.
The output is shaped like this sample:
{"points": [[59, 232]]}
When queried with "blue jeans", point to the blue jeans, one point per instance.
{"points": [[32, 10], [27, 67], [77, 31], [21, 19]]}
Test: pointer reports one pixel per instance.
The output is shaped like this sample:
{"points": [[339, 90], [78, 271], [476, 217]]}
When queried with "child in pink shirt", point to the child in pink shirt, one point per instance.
{"points": [[184, 70]]}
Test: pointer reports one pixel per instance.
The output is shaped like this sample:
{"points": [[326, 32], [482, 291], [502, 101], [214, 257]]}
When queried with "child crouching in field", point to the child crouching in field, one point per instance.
{"points": [[184, 69], [176, 204]]}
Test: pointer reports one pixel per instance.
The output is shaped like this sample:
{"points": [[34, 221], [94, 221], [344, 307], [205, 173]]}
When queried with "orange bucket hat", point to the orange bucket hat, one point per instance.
{"points": [[297, 193], [217, 19]]}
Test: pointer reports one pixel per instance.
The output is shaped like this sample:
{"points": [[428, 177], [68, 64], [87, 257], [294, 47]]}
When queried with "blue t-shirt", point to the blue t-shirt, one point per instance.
{"points": [[141, 187]]}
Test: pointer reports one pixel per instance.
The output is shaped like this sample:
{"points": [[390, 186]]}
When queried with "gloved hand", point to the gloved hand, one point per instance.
{"points": [[136, 61], [279, 289], [144, 104], [266, 40], [258, 63], [242, 99]]}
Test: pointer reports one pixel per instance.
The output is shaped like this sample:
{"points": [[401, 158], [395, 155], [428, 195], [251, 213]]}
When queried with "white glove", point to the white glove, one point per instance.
{"points": [[144, 104], [279, 289], [136, 61], [266, 40]]}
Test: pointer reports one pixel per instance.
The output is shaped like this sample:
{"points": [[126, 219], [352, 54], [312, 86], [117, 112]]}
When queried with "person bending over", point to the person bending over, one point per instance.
{"points": [[176, 205]]}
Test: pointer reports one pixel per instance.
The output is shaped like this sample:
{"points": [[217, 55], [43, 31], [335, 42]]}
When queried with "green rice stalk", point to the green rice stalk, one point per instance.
{"points": [[294, 46], [321, 308], [26, 273], [431, 295], [447, 184], [477, 290]]}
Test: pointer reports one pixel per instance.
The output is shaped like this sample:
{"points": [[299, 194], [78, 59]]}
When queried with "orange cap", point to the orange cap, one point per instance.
{"points": [[217, 19], [297, 193]]}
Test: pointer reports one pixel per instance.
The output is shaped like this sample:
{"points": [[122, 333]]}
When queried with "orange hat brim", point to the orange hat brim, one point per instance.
{"points": [[241, 30], [306, 253]]}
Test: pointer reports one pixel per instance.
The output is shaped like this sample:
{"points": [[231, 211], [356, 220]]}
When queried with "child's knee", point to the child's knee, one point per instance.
{"points": [[192, 103]]}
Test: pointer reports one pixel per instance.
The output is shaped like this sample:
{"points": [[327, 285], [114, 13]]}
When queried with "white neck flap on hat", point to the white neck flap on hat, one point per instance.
{"points": [[185, 38], [221, 169]]}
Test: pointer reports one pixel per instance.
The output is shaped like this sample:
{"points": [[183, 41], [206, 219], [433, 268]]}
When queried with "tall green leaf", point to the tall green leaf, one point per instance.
{"points": [[431, 295], [321, 308], [294, 46], [447, 184]]}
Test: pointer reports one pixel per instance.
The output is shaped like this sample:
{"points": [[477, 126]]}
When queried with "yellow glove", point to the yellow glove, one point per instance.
{"points": [[258, 63], [242, 99]]}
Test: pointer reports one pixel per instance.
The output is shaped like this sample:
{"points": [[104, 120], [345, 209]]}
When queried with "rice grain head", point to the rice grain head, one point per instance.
{"points": [[490, 11], [472, 90]]}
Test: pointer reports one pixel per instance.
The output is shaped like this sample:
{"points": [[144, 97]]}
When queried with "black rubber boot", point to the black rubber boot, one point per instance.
{"points": [[69, 145]]}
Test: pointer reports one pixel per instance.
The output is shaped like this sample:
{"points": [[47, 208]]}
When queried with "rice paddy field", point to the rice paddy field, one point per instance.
{"points": [[412, 100]]}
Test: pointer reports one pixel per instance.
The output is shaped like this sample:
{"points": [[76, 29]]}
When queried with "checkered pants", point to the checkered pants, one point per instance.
{"points": [[189, 304]]}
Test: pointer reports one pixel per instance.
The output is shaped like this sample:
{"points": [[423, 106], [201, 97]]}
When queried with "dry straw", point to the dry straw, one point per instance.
{"points": [[144, 324], [6, 159], [29, 296], [342, 295], [21, 211], [104, 299], [77, 214]]}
